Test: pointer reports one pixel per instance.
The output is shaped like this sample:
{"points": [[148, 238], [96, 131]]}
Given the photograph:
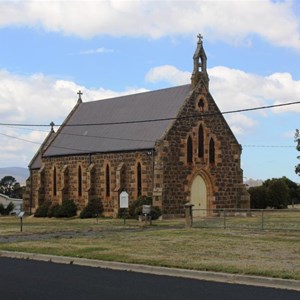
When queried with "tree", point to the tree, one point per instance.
{"points": [[275, 193], [278, 193], [297, 140], [10, 187], [6, 185], [258, 197]]}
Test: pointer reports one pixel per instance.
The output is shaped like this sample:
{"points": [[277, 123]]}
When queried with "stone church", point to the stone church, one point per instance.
{"points": [[171, 144]]}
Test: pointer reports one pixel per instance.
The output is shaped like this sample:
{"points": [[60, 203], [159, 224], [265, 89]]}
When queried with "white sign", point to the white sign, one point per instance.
{"points": [[123, 200]]}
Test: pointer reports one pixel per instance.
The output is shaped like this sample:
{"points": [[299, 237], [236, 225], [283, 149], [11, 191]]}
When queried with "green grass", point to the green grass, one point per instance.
{"points": [[167, 243]]}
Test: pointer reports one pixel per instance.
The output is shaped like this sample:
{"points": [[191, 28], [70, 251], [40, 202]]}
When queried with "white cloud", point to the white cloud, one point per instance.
{"points": [[168, 74], [37, 99], [96, 51], [231, 21], [235, 89]]}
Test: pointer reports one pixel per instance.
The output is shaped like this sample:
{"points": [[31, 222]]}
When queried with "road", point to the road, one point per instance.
{"points": [[28, 279]]}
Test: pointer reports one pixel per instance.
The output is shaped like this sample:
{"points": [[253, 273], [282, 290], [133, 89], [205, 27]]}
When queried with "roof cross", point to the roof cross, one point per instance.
{"points": [[200, 37], [79, 94]]}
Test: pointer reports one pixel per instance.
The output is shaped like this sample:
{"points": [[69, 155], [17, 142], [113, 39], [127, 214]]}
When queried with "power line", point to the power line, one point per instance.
{"points": [[159, 119], [269, 146], [75, 149]]}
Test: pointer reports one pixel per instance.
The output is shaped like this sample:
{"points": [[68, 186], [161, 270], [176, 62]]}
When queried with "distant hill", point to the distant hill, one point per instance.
{"points": [[20, 174]]}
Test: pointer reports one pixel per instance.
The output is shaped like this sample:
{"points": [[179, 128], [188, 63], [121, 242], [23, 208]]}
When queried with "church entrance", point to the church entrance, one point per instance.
{"points": [[199, 196]]}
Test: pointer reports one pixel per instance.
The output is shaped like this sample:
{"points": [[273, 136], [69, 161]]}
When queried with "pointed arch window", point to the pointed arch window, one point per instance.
{"points": [[139, 179], [212, 151], [107, 181], [54, 182], [79, 175], [189, 150], [200, 142]]}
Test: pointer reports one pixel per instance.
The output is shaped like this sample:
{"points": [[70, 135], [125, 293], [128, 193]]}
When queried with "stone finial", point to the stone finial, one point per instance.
{"points": [[52, 125]]}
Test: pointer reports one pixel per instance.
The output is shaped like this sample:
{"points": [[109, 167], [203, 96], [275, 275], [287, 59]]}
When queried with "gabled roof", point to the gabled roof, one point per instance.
{"points": [[91, 127], [36, 161]]}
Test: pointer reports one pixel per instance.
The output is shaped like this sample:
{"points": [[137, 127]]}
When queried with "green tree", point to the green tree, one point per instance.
{"points": [[278, 193], [297, 140], [10, 187], [258, 197], [6, 185], [293, 190]]}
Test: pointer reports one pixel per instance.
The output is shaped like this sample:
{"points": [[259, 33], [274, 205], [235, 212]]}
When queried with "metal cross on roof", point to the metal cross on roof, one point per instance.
{"points": [[200, 37], [79, 94]]}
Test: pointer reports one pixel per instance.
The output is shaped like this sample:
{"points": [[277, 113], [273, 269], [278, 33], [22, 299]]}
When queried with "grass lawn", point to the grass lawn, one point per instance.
{"points": [[167, 243]]}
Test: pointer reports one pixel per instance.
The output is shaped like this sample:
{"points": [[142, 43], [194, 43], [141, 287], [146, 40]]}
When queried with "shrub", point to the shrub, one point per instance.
{"points": [[67, 209], [93, 209], [53, 210], [9, 208], [42, 210], [136, 207], [2, 209]]}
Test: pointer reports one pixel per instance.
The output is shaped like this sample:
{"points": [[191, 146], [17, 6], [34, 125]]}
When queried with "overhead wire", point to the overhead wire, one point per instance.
{"points": [[158, 119], [25, 126]]}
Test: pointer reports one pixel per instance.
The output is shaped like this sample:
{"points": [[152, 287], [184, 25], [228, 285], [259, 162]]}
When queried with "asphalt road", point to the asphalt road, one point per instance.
{"points": [[27, 279]]}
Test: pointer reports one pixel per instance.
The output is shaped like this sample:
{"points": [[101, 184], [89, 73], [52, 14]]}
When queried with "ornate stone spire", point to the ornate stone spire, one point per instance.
{"points": [[200, 59]]}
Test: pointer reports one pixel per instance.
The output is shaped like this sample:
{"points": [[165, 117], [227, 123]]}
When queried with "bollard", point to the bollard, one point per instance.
{"points": [[188, 215]]}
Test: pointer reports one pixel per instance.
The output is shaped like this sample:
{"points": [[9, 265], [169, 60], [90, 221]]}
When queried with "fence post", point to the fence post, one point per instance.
{"points": [[262, 219], [188, 215], [224, 223]]}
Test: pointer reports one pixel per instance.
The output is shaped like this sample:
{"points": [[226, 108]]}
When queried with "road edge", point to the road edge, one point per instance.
{"points": [[277, 283]]}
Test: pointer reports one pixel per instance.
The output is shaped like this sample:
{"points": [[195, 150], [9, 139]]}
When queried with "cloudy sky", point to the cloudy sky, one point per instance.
{"points": [[51, 49]]}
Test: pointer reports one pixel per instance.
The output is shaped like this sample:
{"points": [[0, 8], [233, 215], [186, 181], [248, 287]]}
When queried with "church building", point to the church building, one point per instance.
{"points": [[173, 145]]}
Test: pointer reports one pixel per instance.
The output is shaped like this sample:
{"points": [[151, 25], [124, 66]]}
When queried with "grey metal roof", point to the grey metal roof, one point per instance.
{"points": [[86, 138], [36, 161]]}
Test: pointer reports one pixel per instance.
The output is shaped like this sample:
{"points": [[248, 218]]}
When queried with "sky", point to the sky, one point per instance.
{"points": [[51, 49]]}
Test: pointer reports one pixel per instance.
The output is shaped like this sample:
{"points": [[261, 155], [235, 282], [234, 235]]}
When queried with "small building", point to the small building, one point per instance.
{"points": [[18, 203], [171, 144]]}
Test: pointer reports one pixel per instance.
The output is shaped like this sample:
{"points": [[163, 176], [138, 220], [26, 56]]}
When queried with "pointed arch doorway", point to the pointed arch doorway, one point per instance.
{"points": [[199, 196]]}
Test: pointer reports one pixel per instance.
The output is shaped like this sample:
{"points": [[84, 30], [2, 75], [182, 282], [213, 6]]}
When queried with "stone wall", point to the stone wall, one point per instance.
{"points": [[224, 178], [123, 175]]}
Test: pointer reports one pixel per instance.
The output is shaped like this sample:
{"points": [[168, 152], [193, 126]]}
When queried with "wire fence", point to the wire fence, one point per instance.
{"points": [[257, 219]]}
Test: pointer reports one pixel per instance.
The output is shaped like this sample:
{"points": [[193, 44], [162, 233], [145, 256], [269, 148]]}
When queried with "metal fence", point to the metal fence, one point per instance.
{"points": [[258, 219]]}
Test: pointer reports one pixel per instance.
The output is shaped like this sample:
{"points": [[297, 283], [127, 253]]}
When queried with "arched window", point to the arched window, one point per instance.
{"points": [[200, 142], [79, 181], [107, 181], [139, 180], [212, 151], [189, 150], [54, 182]]}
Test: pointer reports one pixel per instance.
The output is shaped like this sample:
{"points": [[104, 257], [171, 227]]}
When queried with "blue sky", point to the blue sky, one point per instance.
{"points": [[51, 49]]}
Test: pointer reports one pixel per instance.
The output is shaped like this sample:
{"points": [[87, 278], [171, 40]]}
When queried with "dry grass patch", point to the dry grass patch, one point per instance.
{"points": [[274, 254]]}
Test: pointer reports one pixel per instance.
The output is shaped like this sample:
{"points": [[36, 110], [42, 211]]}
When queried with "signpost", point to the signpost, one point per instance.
{"points": [[20, 215], [124, 203]]}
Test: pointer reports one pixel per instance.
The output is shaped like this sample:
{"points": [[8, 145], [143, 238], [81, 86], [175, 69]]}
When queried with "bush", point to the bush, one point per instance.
{"points": [[136, 207], [66, 210], [2, 209], [9, 208], [93, 209], [53, 210], [42, 210]]}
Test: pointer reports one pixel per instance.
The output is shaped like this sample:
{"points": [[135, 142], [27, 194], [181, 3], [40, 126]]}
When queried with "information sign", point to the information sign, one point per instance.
{"points": [[124, 200]]}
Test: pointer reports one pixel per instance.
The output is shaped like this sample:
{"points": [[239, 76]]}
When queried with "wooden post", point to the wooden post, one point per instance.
{"points": [[188, 215]]}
